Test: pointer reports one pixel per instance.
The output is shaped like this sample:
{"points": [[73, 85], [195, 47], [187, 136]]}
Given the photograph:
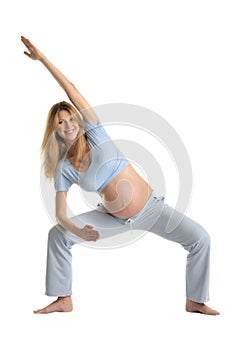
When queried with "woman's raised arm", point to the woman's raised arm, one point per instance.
{"points": [[73, 94]]}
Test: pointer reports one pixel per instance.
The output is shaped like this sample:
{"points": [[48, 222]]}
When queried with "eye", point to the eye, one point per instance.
{"points": [[71, 119], [60, 122]]}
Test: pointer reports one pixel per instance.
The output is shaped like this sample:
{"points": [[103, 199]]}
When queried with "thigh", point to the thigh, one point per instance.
{"points": [[102, 221], [177, 227]]}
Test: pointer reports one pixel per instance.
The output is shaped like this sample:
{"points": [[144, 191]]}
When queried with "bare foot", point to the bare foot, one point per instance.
{"points": [[192, 306], [62, 304]]}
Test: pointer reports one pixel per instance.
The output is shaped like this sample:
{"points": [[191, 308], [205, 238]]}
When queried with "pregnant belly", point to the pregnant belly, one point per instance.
{"points": [[126, 194]]}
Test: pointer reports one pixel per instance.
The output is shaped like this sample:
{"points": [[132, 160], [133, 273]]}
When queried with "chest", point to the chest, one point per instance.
{"points": [[83, 163], [96, 167]]}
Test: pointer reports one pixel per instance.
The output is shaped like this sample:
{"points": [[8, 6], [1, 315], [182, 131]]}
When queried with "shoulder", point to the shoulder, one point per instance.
{"points": [[62, 181], [63, 169], [61, 165], [91, 124], [95, 131]]}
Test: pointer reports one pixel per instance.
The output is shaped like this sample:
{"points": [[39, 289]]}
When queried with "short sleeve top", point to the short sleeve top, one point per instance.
{"points": [[106, 163]]}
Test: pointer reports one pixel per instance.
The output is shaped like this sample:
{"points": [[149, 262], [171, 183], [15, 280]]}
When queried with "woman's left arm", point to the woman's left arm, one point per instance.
{"points": [[73, 94]]}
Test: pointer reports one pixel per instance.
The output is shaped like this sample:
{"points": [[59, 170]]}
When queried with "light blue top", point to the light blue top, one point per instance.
{"points": [[107, 162]]}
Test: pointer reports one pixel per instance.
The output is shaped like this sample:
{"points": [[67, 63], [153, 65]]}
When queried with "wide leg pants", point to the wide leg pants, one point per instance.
{"points": [[154, 217]]}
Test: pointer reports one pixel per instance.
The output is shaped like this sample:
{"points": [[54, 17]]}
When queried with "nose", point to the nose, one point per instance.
{"points": [[68, 125]]}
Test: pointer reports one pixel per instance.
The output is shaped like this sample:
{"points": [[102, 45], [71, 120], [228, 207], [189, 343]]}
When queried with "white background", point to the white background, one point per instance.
{"points": [[173, 57]]}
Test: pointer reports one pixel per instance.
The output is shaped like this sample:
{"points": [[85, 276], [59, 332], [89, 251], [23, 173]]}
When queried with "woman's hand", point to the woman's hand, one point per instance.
{"points": [[88, 233], [33, 53]]}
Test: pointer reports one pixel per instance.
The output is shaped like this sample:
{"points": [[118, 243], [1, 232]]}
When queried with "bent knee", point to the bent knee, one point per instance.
{"points": [[56, 234], [203, 234], [203, 238]]}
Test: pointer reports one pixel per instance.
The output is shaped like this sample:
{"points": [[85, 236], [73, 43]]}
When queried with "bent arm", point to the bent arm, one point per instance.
{"points": [[61, 216], [87, 233], [73, 94]]}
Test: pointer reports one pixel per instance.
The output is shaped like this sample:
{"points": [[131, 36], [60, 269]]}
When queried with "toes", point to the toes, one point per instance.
{"points": [[41, 311], [213, 312]]}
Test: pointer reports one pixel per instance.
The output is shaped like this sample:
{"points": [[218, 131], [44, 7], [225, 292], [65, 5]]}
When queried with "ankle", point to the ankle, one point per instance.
{"points": [[68, 297], [192, 302]]}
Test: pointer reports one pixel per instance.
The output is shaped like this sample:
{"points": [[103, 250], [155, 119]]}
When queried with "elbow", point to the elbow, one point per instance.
{"points": [[72, 88], [61, 219]]}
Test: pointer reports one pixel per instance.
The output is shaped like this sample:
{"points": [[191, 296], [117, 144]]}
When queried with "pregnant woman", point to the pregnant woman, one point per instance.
{"points": [[77, 150]]}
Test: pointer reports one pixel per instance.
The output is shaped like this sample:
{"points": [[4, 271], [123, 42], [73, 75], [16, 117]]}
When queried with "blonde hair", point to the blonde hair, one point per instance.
{"points": [[53, 147]]}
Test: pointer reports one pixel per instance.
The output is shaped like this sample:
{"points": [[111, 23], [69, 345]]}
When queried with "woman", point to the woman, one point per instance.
{"points": [[78, 150]]}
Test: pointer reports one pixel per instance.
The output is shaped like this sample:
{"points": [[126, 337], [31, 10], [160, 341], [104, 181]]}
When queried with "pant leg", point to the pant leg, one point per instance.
{"points": [[192, 236], [59, 264], [154, 217], [60, 242]]}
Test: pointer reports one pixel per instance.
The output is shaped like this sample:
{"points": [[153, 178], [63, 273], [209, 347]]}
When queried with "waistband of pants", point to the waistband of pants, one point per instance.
{"points": [[151, 198], [135, 217]]}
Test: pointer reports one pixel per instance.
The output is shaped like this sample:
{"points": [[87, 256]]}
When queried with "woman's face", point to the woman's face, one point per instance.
{"points": [[68, 127]]}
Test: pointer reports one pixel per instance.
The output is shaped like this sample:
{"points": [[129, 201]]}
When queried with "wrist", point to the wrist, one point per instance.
{"points": [[42, 58], [78, 231]]}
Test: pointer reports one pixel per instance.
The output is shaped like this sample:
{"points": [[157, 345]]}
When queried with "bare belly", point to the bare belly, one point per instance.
{"points": [[126, 194]]}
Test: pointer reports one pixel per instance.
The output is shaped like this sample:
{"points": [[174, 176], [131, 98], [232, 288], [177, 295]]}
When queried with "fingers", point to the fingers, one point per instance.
{"points": [[26, 53], [92, 235], [89, 226], [88, 233], [26, 41], [28, 45]]}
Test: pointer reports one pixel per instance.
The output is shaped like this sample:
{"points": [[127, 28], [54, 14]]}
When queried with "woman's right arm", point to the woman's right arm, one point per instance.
{"points": [[88, 233]]}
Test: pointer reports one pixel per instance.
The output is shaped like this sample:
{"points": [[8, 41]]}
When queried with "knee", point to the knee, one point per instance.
{"points": [[204, 240], [204, 235], [56, 235]]}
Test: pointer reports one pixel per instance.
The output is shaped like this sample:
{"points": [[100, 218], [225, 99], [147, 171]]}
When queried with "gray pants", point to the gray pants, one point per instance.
{"points": [[154, 217]]}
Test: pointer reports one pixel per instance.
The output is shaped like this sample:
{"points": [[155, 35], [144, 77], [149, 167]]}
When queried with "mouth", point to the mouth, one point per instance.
{"points": [[69, 132]]}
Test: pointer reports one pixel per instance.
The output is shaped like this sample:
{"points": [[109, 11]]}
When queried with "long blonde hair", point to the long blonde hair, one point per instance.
{"points": [[53, 147]]}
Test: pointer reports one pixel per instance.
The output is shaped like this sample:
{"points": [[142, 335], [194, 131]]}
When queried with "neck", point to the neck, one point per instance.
{"points": [[71, 150]]}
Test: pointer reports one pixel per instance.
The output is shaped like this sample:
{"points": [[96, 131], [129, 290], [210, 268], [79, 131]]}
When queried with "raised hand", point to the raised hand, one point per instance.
{"points": [[33, 53]]}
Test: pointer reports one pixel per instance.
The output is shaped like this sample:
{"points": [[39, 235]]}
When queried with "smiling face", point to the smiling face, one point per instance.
{"points": [[68, 127]]}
